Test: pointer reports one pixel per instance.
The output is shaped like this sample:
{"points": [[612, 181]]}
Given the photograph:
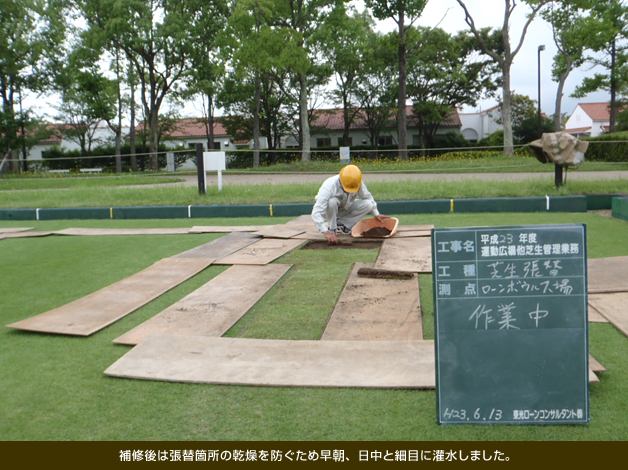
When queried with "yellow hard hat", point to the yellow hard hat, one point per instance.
{"points": [[351, 178]]}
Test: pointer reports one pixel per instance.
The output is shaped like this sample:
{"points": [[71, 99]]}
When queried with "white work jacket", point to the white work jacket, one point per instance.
{"points": [[332, 188]]}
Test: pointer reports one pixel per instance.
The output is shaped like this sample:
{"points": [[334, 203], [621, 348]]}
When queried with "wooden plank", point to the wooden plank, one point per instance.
{"points": [[595, 316], [305, 219], [25, 234], [614, 306], [413, 233], [279, 231], [406, 254], [122, 231], [376, 309], [95, 311], [15, 229], [225, 228], [213, 308], [284, 363], [593, 378], [415, 228], [595, 366], [607, 274], [261, 252], [220, 247]]}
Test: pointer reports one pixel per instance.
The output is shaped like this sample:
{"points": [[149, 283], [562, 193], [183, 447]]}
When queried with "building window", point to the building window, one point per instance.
{"points": [[385, 140], [323, 142], [345, 142]]}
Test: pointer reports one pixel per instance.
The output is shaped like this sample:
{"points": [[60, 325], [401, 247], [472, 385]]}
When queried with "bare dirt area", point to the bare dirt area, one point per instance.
{"points": [[355, 244]]}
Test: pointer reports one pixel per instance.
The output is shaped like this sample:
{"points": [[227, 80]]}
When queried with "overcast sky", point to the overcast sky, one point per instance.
{"points": [[485, 13], [524, 74]]}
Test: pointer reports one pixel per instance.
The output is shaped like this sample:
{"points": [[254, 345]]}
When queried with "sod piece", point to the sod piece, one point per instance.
{"points": [[213, 308], [95, 311], [285, 363], [376, 309]]}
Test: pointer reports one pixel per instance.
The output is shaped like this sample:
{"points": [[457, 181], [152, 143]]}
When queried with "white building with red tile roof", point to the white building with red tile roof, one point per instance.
{"points": [[589, 120], [327, 129]]}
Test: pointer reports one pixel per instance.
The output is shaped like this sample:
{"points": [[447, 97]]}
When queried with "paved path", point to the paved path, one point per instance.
{"points": [[288, 178]]}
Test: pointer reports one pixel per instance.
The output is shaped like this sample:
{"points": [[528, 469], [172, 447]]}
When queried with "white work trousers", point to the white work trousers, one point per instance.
{"points": [[348, 217]]}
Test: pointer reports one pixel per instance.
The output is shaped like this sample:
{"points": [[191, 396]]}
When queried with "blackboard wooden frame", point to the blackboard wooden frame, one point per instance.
{"points": [[511, 329]]}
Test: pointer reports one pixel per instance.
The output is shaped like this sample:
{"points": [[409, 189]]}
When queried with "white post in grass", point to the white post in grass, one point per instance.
{"points": [[215, 161]]}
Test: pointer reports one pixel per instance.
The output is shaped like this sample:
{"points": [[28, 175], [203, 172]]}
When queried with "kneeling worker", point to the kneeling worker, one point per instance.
{"points": [[337, 210]]}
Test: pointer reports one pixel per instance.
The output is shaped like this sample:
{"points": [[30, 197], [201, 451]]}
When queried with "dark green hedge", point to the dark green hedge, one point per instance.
{"points": [[101, 157], [608, 147]]}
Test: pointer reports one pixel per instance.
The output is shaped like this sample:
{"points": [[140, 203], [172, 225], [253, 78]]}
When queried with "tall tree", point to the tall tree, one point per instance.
{"points": [[32, 42], [606, 33], [345, 47], [299, 22], [376, 92], [159, 37], [567, 23], [447, 72], [404, 13], [506, 55]]}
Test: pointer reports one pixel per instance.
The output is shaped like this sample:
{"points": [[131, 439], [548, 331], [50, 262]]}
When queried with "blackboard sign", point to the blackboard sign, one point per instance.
{"points": [[511, 328]]}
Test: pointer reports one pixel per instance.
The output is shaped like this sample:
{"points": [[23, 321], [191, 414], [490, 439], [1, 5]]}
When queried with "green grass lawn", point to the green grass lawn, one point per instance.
{"points": [[395, 189], [53, 386]]}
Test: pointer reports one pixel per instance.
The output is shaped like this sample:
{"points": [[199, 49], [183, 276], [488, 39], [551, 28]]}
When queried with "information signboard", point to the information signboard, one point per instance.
{"points": [[511, 328]]}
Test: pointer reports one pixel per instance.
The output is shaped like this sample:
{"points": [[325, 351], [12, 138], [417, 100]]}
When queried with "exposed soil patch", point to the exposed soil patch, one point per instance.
{"points": [[359, 244], [384, 274], [376, 232]]}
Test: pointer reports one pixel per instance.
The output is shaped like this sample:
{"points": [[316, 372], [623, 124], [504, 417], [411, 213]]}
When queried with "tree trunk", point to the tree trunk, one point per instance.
{"points": [[132, 131], [506, 113], [613, 110], [305, 123], [558, 122], [256, 106], [402, 137], [154, 139], [210, 122]]}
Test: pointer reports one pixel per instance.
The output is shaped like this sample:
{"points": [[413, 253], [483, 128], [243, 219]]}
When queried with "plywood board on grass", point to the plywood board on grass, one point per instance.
{"points": [[15, 229], [213, 308], [376, 309], [261, 252], [414, 228], [283, 363], [280, 231], [614, 306], [122, 231], [305, 219], [595, 366], [406, 254], [607, 274], [225, 228], [95, 311], [413, 233], [220, 247], [594, 316], [25, 234]]}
